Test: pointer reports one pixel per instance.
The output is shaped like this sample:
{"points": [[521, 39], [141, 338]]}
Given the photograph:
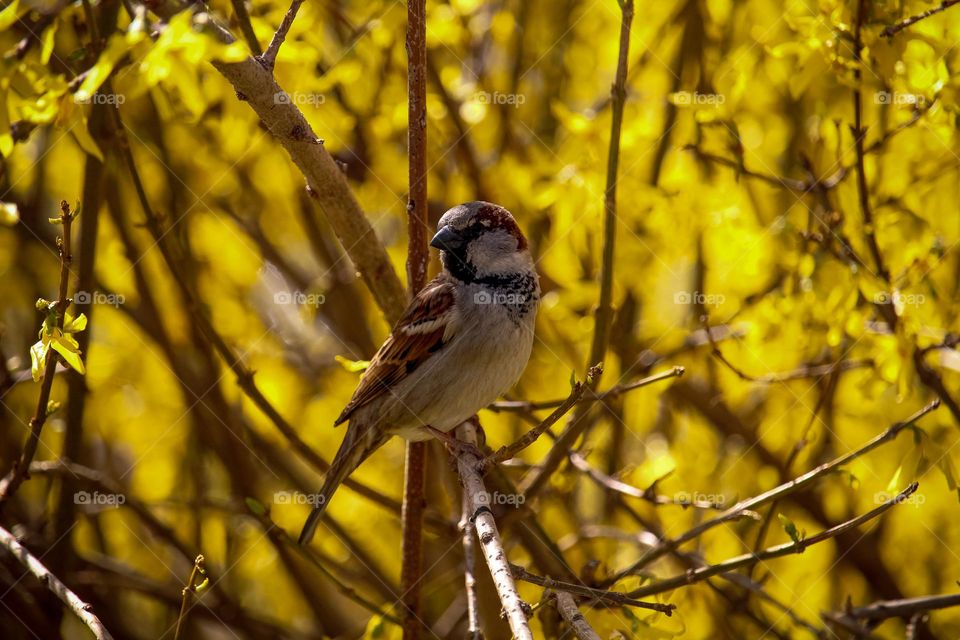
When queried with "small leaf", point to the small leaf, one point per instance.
{"points": [[52, 407], [353, 366], [790, 528], [256, 507]]}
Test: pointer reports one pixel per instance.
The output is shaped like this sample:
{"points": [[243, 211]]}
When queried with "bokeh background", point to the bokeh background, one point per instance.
{"points": [[737, 208]]}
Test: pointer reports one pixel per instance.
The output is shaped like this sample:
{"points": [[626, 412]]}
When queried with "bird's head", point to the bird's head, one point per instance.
{"points": [[480, 240]]}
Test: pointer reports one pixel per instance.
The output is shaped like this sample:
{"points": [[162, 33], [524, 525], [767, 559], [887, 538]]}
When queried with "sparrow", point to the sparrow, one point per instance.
{"points": [[464, 339]]}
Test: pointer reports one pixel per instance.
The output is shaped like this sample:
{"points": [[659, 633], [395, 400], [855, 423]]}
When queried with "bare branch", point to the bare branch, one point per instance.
{"points": [[747, 559], [510, 451], [568, 610], [778, 492], [269, 57], [80, 608], [469, 574], [602, 596], [894, 29], [589, 395], [414, 499], [468, 465]]}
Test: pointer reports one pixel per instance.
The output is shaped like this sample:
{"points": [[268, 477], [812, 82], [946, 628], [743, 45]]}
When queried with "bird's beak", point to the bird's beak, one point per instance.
{"points": [[447, 239]]}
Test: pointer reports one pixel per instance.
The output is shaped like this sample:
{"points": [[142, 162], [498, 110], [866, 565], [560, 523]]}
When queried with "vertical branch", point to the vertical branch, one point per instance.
{"points": [[414, 501], [491, 544], [20, 471], [859, 133], [469, 573], [601, 333]]}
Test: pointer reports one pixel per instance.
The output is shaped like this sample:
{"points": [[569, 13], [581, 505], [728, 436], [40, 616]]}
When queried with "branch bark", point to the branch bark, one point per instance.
{"points": [[414, 499], [468, 465], [21, 468], [80, 608]]}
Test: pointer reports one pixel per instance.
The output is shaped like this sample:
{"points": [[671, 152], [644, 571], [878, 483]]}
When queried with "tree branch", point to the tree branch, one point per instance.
{"points": [[468, 465], [269, 57], [894, 29], [80, 608], [414, 499], [747, 559], [567, 607], [778, 492], [21, 468]]}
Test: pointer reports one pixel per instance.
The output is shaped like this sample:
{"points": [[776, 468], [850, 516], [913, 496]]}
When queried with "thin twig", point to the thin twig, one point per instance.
{"points": [[894, 29], [246, 28], [68, 597], [468, 464], [589, 396], [21, 468], [567, 607], [269, 57], [414, 498], [778, 492], [604, 597], [469, 573], [510, 451], [579, 423], [877, 612], [860, 133], [198, 570], [747, 559]]}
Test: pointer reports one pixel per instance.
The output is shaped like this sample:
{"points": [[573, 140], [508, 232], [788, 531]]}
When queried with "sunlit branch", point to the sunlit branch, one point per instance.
{"points": [[80, 608], [747, 559], [780, 491]]}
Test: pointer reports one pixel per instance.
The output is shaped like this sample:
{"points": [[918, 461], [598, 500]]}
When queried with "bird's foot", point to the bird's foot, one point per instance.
{"points": [[456, 448]]}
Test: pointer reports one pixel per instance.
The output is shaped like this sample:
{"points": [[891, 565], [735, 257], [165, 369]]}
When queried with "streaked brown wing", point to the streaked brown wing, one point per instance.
{"points": [[417, 335]]}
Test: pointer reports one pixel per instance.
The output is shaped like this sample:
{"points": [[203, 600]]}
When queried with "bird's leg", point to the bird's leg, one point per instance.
{"points": [[455, 447]]}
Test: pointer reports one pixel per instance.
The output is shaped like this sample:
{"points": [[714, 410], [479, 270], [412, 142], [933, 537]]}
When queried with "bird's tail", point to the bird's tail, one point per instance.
{"points": [[357, 445]]}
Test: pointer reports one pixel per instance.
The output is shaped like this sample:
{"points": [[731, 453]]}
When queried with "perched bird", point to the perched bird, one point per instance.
{"points": [[465, 339]]}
